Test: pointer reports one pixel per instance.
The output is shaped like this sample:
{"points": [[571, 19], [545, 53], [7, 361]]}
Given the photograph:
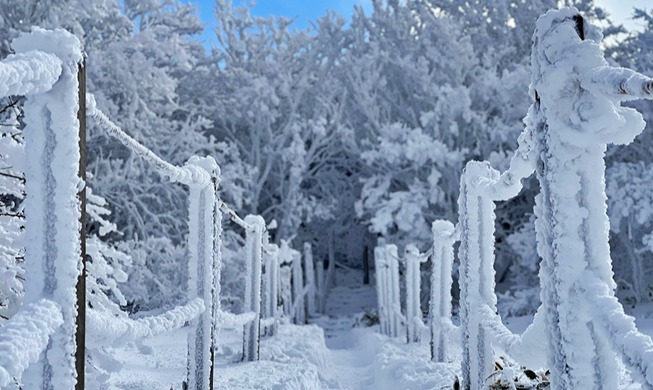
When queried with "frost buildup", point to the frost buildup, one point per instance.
{"points": [[441, 281], [52, 208], [253, 254], [414, 323], [202, 204], [577, 96]]}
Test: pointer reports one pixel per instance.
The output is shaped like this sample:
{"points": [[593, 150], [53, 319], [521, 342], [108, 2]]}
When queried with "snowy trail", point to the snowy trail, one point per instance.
{"points": [[351, 363]]}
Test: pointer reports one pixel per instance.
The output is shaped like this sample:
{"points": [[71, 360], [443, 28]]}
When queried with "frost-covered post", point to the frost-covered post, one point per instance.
{"points": [[217, 268], [298, 288], [577, 108], [319, 283], [53, 206], [393, 292], [413, 310], [201, 271], [253, 250], [285, 276], [310, 279], [271, 286], [274, 288], [441, 281], [476, 211], [380, 270]]}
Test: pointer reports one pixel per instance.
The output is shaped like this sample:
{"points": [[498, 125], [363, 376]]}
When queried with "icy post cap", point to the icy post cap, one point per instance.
{"points": [[591, 114], [59, 42]]}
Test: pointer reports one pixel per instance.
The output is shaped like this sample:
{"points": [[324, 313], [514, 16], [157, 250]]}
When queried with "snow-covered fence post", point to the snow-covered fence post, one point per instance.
{"points": [[298, 288], [380, 271], [201, 245], [285, 276], [253, 248], [54, 206], [412, 277], [577, 110], [310, 280], [441, 281], [274, 288], [476, 271], [270, 286], [217, 268], [393, 292], [319, 284]]}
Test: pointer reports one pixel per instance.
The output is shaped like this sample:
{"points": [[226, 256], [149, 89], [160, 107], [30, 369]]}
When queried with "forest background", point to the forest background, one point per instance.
{"points": [[343, 131]]}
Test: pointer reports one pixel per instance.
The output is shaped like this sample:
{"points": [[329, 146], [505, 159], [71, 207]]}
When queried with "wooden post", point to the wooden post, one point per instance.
{"points": [[253, 287], [412, 277], [274, 288], [331, 270], [366, 265], [394, 295], [310, 279], [298, 288], [441, 280], [80, 321], [54, 189], [202, 263], [285, 275], [217, 268], [321, 297]]}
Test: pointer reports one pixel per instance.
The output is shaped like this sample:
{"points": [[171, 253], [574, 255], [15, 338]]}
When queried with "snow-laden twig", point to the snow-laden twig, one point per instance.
{"points": [[25, 336], [28, 73], [103, 329], [188, 175]]}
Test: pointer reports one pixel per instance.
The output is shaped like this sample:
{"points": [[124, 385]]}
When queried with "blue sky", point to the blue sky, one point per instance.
{"points": [[305, 11]]}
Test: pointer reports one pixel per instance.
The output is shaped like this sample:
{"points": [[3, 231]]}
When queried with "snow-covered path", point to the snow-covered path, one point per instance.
{"points": [[351, 366]]}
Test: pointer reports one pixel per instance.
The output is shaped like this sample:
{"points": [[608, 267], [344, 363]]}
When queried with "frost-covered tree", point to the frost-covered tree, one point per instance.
{"points": [[410, 104], [276, 101], [12, 217], [628, 179]]}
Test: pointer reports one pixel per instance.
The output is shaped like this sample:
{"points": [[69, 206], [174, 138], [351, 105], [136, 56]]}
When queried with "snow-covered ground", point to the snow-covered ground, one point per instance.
{"points": [[353, 356]]}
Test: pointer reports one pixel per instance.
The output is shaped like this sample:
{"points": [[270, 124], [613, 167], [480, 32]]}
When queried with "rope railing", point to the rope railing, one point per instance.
{"points": [[634, 347], [105, 329], [29, 73], [25, 336], [188, 175]]}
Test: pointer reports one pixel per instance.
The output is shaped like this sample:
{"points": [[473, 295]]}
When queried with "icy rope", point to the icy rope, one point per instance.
{"points": [[105, 329], [28, 73], [188, 175]]}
